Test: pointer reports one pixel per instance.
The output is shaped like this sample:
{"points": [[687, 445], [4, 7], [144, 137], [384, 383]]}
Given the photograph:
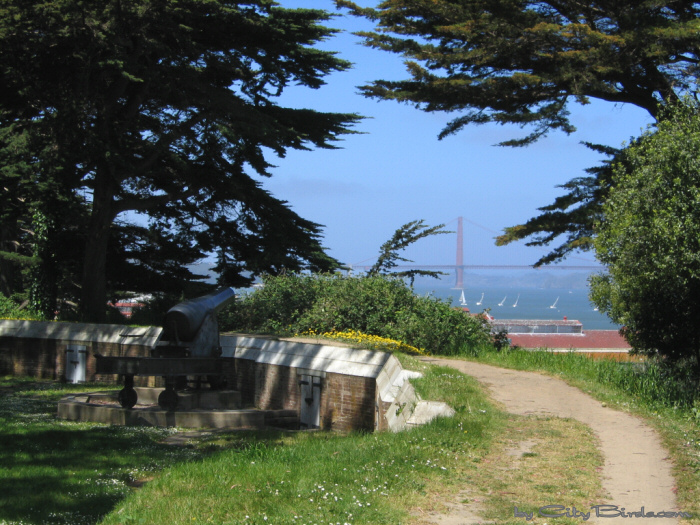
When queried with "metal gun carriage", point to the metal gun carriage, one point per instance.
{"points": [[188, 346]]}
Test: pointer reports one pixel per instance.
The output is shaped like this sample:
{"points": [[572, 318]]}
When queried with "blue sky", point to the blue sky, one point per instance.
{"points": [[398, 170]]}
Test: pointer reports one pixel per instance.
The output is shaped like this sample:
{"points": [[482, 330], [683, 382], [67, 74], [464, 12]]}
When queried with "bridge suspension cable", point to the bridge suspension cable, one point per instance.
{"points": [[459, 267]]}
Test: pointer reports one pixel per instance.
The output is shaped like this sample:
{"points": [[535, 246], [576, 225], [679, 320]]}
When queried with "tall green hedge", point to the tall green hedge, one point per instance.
{"points": [[374, 305]]}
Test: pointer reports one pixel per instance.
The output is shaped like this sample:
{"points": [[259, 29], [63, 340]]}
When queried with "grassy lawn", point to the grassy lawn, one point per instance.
{"points": [[60, 472], [53, 471], [537, 461], [71, 473]]}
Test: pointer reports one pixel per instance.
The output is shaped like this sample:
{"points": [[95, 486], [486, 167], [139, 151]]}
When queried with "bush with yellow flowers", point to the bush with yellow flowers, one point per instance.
{"points": [[374, 342], [382, 306]]}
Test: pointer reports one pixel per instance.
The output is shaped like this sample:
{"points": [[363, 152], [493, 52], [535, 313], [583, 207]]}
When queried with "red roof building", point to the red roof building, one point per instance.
{"points": [[564, 336]]}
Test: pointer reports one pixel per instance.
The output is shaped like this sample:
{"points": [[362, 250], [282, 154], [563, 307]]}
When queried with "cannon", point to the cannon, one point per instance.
{"points": [[188, 346]]}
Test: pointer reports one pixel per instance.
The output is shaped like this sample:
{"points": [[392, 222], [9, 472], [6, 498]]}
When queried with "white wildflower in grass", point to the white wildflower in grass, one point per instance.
{"points": [[362, 476]]}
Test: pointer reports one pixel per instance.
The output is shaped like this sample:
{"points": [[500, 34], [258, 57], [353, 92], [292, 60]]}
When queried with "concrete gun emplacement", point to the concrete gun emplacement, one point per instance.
{"points": [[188, 346]]}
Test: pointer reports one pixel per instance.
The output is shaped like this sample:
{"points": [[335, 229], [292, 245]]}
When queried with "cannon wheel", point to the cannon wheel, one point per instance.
{"points": [[168, 398], [127, 396]]}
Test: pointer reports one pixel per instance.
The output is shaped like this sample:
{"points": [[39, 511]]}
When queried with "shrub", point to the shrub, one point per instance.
{"points": [[11, 310], [274, 308], [375, 305], [649, 239], [374, 342]]}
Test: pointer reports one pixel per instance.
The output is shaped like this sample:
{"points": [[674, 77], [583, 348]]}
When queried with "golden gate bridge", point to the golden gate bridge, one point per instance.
{"points": [[459, 267]]}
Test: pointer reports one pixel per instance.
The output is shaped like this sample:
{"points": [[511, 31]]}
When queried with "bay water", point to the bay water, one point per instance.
{"points": [[513, 302]]}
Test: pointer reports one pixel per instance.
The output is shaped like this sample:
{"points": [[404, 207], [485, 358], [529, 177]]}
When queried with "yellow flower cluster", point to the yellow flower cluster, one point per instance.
{"points": [[374, 342]]}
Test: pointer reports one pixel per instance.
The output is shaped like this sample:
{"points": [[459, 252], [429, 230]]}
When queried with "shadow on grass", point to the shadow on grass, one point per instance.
{"points": [[70, 475], [58, 472]]}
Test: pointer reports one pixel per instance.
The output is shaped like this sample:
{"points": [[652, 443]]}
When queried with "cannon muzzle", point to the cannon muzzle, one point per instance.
{"points": [[183, 321]]}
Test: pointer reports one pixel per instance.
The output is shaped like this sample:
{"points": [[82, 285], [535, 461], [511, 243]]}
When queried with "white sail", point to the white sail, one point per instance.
{"points": [[555, 303], [481, 300], [516, 301], [503, 301], [462, 300]]}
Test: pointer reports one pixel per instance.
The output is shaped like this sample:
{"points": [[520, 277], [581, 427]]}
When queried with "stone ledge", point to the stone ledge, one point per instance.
{"points": [[77, 408]]}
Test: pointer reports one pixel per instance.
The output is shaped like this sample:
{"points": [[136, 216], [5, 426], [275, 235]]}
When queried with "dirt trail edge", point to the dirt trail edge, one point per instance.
{"points": [[637, 470]]}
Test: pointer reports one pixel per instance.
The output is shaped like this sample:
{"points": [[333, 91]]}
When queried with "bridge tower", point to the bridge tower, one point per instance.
{"points": [[460, 254]]}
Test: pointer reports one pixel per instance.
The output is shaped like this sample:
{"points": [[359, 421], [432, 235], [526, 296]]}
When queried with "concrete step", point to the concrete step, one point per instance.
{"points": [[77, 408], [405, 399], [282, 419], [426, 411]]}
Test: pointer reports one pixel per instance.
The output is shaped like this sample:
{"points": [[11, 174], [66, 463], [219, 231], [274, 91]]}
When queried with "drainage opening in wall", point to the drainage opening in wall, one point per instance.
{"points": [[76, 363], [311, 385]]}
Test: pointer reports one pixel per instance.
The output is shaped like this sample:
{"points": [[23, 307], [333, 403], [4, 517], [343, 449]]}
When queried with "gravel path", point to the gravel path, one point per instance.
{"points": [[637, 471]]}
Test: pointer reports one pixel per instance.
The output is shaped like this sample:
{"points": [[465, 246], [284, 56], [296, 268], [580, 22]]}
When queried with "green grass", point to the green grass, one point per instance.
{"points": [[321, 477], [535, 462], [72, 473], [668, 399], [58, 472]]}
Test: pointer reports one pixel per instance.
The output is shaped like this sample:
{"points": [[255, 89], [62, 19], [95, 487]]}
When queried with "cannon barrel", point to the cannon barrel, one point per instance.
{"points": [[187, 317], [191, 322]]}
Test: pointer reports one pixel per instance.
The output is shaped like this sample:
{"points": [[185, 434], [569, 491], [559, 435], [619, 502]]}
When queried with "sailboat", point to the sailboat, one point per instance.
{"points": [[481, 300], [516, 301], [555, 303], [503, 301], [462, 300]]}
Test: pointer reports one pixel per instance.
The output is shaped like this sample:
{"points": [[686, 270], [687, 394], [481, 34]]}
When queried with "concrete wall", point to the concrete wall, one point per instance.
{"points": [[275, 387], [351, 403], [269, 371], [360, 389], [347, 402], [38, 349], [31, 357]]}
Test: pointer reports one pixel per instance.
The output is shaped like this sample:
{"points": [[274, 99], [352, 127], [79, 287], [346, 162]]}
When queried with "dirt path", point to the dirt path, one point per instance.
{"points": [[637, 471]]}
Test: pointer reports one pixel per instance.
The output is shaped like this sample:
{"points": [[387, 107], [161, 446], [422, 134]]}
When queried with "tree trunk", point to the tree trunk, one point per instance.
{"points": [[93, 298]]}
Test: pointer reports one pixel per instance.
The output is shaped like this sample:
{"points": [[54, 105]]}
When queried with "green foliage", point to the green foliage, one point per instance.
{"points": [[274, 308], [11, 310], [650, 239], [375, 305], [166, 109], [573, 215], [521, 62], [406, 235], [43, 287], [501, 340], [372, 305]]}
